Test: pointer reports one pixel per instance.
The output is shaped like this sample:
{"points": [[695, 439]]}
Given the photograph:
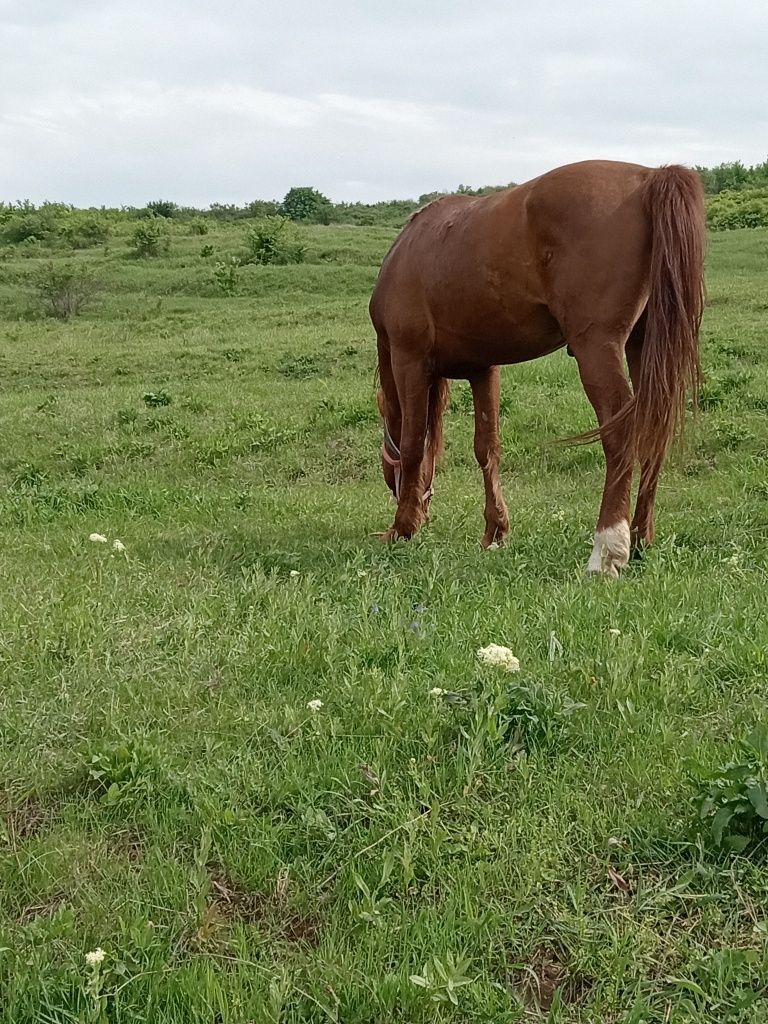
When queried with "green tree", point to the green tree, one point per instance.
{"points": [[307, 204], [163, 208]]}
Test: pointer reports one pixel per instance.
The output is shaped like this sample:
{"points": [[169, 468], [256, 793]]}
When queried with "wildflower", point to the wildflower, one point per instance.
{"points": [[436, 691], [615, 632], [118, 546], [97, 538], [294, 573], [499, 657], [314, 705], [95, 957]]}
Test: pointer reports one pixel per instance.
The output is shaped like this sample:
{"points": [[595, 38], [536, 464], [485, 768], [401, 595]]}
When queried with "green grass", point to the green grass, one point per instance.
{"points": [[169, 796]]}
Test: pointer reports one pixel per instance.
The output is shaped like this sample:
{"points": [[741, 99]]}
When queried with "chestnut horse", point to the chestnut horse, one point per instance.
{"points": [[601, 256]]}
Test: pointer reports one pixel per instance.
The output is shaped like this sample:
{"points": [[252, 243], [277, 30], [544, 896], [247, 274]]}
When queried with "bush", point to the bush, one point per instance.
{"points": [[747, 208], [151, 238], [273, 242], [260, 208], [225, 274], [306, 204], [64, 291], [163, 208], [199, 226], [37, 226], [86, 232]]}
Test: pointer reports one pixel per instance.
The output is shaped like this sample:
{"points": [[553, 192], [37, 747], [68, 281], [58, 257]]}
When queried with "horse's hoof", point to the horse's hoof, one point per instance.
{"points": [[493, 538], [639, 545], [606, 572], [610, 552]]}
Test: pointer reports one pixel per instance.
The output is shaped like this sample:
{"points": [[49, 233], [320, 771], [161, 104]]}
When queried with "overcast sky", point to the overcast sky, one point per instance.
{"points": [[112, 102]]}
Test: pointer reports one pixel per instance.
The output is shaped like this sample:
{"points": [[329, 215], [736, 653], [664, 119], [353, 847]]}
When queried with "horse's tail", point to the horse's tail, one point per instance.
{"points": [[439, 395], [669, 364]]}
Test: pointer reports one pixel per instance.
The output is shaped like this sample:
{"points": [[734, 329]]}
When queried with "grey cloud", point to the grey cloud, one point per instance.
{"points": [[116, 102]]}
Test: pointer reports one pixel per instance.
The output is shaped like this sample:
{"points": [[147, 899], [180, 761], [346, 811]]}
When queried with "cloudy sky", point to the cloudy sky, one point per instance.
{"points": [[113, 102]]}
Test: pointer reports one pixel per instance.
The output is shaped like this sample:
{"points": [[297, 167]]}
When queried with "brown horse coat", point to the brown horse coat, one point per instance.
{"points": [[605, 257]]}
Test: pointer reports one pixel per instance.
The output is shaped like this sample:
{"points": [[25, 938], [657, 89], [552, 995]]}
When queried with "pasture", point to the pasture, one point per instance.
{"points": [[516, 847]]}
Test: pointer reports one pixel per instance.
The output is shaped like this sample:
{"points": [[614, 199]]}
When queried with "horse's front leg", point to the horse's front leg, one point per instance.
{"points": [[486, 388], [413, 384]]}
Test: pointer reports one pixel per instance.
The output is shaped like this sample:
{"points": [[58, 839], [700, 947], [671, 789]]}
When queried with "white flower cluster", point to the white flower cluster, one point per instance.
{"points": [[95, 957], [99, 538], [314, 705], [499, 657]]}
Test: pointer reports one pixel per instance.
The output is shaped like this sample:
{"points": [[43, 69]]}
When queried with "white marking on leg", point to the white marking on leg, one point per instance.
{"points": [[611, 550]]}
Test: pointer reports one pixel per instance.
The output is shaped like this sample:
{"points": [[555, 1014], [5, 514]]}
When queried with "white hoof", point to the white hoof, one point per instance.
{"points": [[610, 552]]}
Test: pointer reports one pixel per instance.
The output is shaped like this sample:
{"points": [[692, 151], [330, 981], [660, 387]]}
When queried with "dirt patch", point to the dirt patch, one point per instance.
{"points": [[128, 843], [547, 973], [28, 819], [43, 909], [231, 901]]}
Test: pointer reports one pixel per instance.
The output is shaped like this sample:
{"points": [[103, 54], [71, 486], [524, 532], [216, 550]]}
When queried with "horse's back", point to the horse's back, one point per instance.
{"points": [[521, 267]]}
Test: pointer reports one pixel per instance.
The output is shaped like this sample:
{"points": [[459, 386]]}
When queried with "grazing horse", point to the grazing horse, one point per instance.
{"points": [[602, 256]]}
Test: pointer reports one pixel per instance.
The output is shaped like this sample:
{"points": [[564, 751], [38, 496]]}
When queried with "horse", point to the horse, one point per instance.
{"points": [[603, 257]]}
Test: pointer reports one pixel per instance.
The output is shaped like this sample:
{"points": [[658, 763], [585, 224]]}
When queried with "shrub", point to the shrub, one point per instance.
{"points": [[306, 204], [151, 238], [206, 251], [262, 208], [64, 291], [162, 208], [733, 801], [225, 274], [35, 226], [747, 208], [199, 226], [85, 232], [272, 241]]}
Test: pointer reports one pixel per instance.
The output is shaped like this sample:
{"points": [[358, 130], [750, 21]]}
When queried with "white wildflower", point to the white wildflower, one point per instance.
{"points": [[294, 573], [118, 545], [615, 632], [97, 538], [436, 691], [95, 957], [314, 705], [499, 657]]}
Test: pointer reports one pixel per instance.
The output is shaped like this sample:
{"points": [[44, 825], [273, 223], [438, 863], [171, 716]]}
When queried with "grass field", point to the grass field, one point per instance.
{"points": [[518, 848]]}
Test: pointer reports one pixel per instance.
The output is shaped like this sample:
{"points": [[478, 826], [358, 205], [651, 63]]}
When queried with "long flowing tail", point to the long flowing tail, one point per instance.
{"points": [[669, 366]]}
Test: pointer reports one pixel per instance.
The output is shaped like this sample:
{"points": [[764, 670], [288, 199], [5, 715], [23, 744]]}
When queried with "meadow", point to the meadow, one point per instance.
{"points": [[250, 753]]}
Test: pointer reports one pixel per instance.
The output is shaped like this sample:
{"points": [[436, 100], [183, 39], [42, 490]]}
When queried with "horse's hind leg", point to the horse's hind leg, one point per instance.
{"points": [[485, 393], [642, 528], [413, 385], [600, 359]]}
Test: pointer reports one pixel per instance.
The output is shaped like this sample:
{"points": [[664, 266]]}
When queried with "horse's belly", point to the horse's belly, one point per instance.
{"points": [[471, 344]]}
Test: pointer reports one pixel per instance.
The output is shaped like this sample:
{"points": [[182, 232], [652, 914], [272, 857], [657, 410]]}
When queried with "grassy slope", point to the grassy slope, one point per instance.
{"points": [[254, 861]]}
